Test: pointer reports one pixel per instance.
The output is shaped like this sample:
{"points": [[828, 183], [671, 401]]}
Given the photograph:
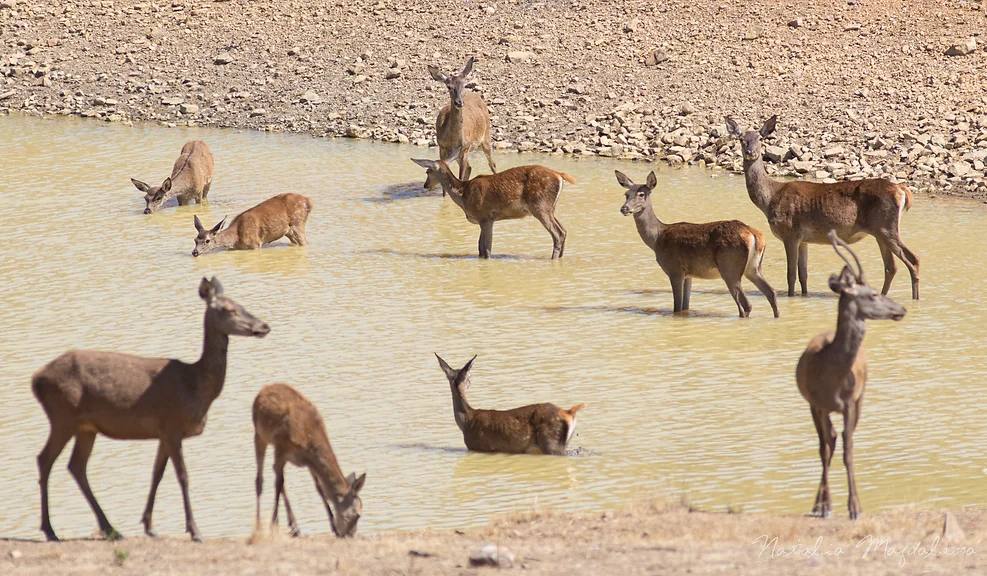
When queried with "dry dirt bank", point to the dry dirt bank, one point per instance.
{"points": [[862, 87], [650, 539]]}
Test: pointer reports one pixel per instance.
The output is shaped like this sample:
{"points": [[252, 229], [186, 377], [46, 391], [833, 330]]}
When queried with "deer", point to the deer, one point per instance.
{"points": [[832, 371], [463, 123], [289, 421], [190, 180], [514, 193], [727, 249], [800, 212], [274, 218], [532, 429], [86, 393]]}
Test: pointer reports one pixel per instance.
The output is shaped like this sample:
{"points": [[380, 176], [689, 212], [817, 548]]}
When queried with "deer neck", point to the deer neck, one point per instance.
{"points": [[454, 188], [461, 409], [454, 122], [211, 367], [759, 184], [226, 238], [648, 225], [850, 331], [327, 470]]}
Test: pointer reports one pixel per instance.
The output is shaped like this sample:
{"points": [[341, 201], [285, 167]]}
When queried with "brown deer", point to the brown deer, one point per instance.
{"points": [[463, 123], [533, 429], [507, 195], [85, 393], [274, 218], [727, 249], [832, 372], [285, 418], [800, 212], [190, 180]]}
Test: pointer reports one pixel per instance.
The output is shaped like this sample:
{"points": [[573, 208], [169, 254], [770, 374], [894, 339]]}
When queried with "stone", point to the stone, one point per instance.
{"points": [[631, 25], [833, 151], [655, 57], [310, 97], [797, 23], [951, 530], [686, 109], [172, 100], [257, 112], [959, 169], [963, 48], [802, 166], [520, 56], [392, 73], [222, 58], [492, 555], [775, 153], [189, 108], [15, 554]]}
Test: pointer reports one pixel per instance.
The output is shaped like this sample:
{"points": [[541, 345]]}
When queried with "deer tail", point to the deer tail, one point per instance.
{"points": [[572, 411], [908, 196], [566, 177]]}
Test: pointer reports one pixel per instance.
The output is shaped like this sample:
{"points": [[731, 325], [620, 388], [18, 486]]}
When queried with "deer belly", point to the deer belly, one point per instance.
{"points": [[141, 428]]}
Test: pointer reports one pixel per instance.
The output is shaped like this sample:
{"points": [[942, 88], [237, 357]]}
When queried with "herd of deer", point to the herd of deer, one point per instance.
{"points": [[86, 393]]}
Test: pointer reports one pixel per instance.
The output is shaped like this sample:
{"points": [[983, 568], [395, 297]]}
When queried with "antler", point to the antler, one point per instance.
{"points": [[837, 242]]}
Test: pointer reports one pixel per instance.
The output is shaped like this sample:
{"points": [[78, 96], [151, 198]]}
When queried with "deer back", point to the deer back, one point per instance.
{"points": [[853, 208], [268, 221], [698, 249], [533, 429], [513, 193], [289, 421], [471, 128], [192, 170]]}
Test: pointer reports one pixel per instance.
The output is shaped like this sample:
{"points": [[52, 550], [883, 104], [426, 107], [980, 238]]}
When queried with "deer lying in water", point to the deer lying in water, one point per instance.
{"points": [[533, 429], [85, 393], [190, 180], [727, 249], [832, 372], [287, 419], [800, 212], [507, 195], [274, 218], [463, 123]]}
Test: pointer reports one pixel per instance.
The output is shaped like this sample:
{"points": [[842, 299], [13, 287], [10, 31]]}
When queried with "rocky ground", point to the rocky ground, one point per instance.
{"points": [[892, 88]]}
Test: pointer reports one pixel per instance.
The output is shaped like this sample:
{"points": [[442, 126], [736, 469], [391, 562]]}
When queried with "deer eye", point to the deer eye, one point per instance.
{"points": [[640, 194], [208, 240]]}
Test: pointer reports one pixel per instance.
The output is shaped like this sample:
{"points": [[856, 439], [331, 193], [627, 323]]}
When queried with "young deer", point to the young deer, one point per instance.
{"points": [[190, 180], [85, 393], [463, 123], [272, 219], [832, 372], [287, 419], [533, 429], [727, 249], [800, 212], [507, 195]]}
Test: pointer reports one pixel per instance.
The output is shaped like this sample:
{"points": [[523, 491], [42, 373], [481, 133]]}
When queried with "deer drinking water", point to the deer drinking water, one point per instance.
{"points": [[832, 371], [533, 429], [190, 180], [463, 123], [286, 419], [802, 213], [730, 249], [125, 397], [507, 195], [272, 219]]}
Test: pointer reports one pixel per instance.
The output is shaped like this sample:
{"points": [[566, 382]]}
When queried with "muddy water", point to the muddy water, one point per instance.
{"points": [[703, 408]]}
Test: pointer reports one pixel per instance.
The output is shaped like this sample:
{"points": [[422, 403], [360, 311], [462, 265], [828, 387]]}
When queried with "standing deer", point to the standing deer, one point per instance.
{"points": [[507, 195], [190, 180], [728, 249], [125, 397], [272, 219], [832, 372], [285, 418], [800, 212], [463, 123], [532, 429]]}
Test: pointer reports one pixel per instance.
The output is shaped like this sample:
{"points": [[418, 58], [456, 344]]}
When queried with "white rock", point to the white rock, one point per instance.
{"points": [[492, 555]]}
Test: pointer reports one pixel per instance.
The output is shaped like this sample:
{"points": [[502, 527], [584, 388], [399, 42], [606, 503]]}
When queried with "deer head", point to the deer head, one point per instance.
{"points": [[154, 197], [349, 507], [437, 172], [750, 141], [455, 83], [856, 296], [226, 315], [459, 382], [637, 197], [204, 240]]}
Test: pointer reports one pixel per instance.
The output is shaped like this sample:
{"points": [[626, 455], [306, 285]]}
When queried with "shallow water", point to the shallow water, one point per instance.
{"points": [[703, 408]]}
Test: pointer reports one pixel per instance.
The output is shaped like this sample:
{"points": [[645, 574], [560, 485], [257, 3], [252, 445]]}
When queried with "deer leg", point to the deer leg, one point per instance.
{"points": [[464, 162], [160, 461], [890, 268], [487, 148], [686, 292], [325, 501], [803, 267], [205, 191], [562, 233], [486, 238], [299, 232], [549, 223], [827, 446], [279, 492], [731, 277], [260, 451], [175, 453], [58, 437], [756, 278], [792, 255], [77, 466], [908, 258], [851, 416]]}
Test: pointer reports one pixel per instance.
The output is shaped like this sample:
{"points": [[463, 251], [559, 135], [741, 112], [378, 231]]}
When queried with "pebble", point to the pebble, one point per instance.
{"points": [[655, 57], [963, 48], [310, 97], [222, 58], [492, 555], [189, 108], [520, 56]]}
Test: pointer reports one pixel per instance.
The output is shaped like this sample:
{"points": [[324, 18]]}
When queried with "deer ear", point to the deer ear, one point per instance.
{"points": [[166, 185], [652, 180], [465, 370], [217, 288], [437, 74], [468, 68], [733, 128], [218, 227], [426, 164], [357, 483], [469, 170], [450, 372], [623, 180], [843, 282], [198, 223], [141, 186], [769, 126], [206, 290]]}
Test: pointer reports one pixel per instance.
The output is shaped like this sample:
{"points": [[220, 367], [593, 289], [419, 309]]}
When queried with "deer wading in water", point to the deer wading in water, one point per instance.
{"points": [[190, 180]]}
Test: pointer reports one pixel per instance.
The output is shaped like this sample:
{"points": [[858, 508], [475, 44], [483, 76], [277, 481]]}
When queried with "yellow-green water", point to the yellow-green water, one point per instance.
{"points": [[704, 406]]}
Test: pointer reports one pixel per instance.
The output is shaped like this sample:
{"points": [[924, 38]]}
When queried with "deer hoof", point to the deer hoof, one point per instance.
{"points": [[112, 535]]}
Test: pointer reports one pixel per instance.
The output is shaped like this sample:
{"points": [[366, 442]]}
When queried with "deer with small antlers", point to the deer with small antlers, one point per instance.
{"points": [[190, 180], [280, 216], [289, 421], [727, 249], [463, 124], [533, 429], [832, 371], [85, 393], [507, 195], [801, 213]]}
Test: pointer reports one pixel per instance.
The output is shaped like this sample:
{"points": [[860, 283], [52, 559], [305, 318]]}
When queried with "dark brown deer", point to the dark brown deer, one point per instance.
{"points": [[85, 393], [727, 249], [832, 372], [533, 429], [286, 419], [463, 123], [274, 218], [802, 213], [507, 195], [190, 180]]}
